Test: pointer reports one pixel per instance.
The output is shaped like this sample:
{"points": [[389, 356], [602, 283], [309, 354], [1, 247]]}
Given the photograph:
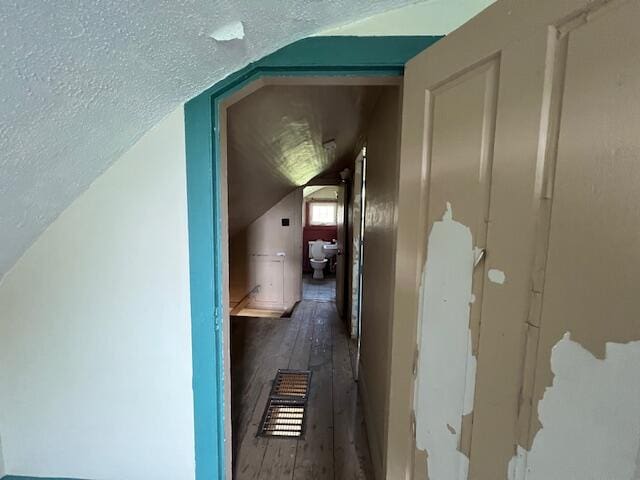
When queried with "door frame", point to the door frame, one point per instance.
{"points": [[314, 56]]}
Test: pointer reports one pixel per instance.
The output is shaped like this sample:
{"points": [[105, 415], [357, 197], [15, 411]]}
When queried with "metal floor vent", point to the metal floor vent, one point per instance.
{"points": [[291, 383], [285, 412]]}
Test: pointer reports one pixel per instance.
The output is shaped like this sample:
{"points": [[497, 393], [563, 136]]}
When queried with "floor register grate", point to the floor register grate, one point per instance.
{"points": [[285, 413]]}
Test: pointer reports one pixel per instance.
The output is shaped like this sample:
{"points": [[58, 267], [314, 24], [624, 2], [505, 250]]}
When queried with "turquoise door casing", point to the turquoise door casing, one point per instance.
{"points": [[315, 56]]}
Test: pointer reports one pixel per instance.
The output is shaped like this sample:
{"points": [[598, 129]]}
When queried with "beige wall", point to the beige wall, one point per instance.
{"points": [[255, 257], [431, 17], [379, 243], [513, 142]]}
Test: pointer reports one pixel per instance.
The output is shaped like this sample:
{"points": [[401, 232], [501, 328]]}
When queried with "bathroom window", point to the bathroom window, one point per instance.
{"points": [[322, 213]]}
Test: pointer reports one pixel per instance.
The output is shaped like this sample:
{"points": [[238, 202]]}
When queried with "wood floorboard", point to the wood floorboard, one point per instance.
{"points": [[246, 389], [280, 456], [335, 445], [302, 350], [248, 461], [350, 449], [314, 456], [246, 368], [274, 353]]}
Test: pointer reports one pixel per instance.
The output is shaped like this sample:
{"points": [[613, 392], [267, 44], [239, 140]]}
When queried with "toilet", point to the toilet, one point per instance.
{"points": [[317, 258]]}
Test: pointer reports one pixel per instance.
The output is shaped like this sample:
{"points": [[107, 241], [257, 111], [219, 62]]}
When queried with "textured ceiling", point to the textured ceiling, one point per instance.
{"points": [[276, 139], [81, 81]]}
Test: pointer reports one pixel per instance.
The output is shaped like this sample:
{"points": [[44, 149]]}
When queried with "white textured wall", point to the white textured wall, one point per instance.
{"points": [[108, 70], [95, 345]]}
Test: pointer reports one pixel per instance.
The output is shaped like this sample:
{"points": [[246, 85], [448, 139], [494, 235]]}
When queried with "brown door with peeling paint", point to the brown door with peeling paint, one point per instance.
{"points": [[526, 121]]}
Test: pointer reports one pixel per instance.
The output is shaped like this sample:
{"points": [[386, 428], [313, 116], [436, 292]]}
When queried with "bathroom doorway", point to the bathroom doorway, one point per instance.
{"points": [[322, 250]]}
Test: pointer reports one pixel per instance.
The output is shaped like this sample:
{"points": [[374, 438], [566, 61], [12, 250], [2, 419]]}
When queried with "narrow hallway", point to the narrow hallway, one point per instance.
{"points": [[334, 445]]}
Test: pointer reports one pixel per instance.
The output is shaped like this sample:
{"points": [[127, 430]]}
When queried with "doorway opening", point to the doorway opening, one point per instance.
{"points": [[293, 155], [344, 59], [322, 251]]}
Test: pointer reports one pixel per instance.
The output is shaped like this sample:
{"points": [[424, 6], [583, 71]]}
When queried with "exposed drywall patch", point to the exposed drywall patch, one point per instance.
{"points": [[517, 465], [590, 417], [230, 31], [497, 276], [447, 367]]}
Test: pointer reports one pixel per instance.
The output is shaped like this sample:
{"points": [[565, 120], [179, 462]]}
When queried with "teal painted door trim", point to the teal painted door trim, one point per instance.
{"points": [[319, 56]]}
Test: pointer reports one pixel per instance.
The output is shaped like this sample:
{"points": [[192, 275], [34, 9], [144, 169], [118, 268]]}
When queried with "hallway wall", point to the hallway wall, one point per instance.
{"points": [[95, 341], [254, 259], [379, 267], [431, 17]]}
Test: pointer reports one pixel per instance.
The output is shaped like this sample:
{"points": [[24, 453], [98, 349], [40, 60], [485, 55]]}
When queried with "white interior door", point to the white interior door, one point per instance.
{"points": [[519, 141]]}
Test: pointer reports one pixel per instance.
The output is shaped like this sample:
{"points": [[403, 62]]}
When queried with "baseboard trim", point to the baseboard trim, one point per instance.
{"points": [[21, 477], [377, 459]]}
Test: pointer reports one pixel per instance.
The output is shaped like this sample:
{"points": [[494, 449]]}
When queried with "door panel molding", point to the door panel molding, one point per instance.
{"points": [[533, 41]]}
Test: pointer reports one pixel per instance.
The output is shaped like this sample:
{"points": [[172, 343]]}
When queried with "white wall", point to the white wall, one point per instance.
{"points": [[324, 193], [261, 242], [267, 236], [95, 344]]}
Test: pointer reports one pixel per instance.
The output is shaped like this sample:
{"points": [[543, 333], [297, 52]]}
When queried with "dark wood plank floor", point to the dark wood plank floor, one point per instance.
{"points": [[324, 289], [335, 445]]}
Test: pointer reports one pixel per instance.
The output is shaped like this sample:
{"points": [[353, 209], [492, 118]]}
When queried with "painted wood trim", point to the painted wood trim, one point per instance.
{"points": [[19, 477], [319, 56]]}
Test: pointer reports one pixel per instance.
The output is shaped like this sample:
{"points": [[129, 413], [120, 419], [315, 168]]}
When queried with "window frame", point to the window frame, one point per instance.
{"points": [[310, 204]]}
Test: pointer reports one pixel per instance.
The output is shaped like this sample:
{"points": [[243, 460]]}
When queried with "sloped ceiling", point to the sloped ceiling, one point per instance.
{"points": [[82, 80], [276, 139]]}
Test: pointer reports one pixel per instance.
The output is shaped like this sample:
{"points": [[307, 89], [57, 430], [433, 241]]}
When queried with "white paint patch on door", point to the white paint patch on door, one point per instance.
{"points": [[590, 417], [496, 276], [517, 465], [447, 368]]}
